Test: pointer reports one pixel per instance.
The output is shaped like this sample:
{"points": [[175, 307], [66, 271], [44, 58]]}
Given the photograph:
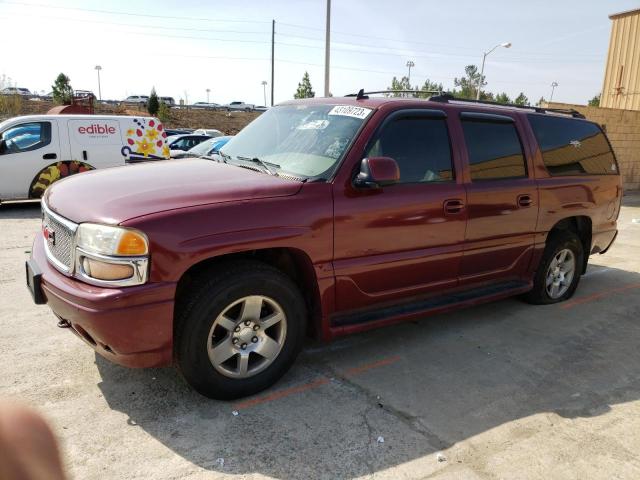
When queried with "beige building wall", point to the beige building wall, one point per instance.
{"points": [[623, 130], [621, 88]]}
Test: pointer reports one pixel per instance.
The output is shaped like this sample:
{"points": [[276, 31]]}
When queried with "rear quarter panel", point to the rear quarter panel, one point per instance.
{"points": [[595, 196]]}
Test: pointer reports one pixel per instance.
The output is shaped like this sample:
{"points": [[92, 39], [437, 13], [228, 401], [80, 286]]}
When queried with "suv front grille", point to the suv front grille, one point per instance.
{"points": [[58, 239]]}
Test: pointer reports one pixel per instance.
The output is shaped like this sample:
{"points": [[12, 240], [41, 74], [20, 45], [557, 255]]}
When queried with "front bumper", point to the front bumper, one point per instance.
{"points": [[130, 326]]}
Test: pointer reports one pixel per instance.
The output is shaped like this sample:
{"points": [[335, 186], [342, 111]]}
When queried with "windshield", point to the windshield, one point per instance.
{"points": [[202, 148], [302, 140]]}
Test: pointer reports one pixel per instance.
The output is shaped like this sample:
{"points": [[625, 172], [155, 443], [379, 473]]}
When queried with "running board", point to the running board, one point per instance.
{"points": [[434, 304]]}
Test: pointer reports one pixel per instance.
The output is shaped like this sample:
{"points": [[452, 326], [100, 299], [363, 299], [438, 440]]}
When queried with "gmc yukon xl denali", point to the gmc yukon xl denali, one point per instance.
{"points": [[327, 216]]}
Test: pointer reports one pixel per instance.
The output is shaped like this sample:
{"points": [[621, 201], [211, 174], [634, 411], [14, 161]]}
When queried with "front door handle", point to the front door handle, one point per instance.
{"points": [[525, 200], [49, 156], [453, 206]]}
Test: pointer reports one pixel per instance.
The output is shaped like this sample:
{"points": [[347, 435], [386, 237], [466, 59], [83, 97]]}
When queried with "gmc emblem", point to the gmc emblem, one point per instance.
{"points": [[49, 235]]}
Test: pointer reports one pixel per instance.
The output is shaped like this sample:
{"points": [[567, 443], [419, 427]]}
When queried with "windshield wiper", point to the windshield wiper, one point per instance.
{"points": [[262, 163]]}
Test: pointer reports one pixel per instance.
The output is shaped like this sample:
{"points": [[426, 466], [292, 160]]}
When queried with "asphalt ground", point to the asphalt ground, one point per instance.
{"points": [[503, 390]]}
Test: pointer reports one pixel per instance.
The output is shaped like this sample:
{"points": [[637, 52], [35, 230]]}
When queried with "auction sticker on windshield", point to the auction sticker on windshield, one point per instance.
{"points": [[349, 111]]}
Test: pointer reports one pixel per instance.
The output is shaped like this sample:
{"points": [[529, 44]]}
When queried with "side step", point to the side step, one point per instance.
{"points": [[434, 303]]}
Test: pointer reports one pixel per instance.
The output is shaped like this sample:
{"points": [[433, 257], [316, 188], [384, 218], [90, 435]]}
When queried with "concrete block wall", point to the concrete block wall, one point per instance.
{"points": [[623, 130]]}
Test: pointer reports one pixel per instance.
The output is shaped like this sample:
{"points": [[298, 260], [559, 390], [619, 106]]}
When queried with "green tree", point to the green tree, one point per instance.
{"points": [[402, 84], [153, 105], [304, 88], [521, 100], [62, 91], [595, 101], [432, 88], [503, 98], [541, 101], [164, 112], [468, 84]]}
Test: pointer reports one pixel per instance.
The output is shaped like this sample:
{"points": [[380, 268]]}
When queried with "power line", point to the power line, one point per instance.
{"points": [[413, 42], [163, 27], [131, 14]]}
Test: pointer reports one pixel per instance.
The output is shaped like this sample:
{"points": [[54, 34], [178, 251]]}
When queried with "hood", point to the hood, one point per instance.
{"points": [[115, 195]]}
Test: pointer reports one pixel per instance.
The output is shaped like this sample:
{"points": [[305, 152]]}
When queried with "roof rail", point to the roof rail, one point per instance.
{"points": [[362, 94], [447, 97]]}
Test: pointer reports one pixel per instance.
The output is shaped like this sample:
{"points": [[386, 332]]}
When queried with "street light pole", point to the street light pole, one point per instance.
{"points": [[264, 91], [208, 90], [327, 49], [409, 65], [98, 68], [484, 57], [553, 87]]}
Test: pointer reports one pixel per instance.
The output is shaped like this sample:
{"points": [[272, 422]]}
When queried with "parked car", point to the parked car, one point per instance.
{"points": [[206, 105], [168, 101], [205, 149], [136, 100], [212, 132], [260, 109], [38, 150], [182, 143], [178, 131], [332, 216], [16, 91], [239, 106]]}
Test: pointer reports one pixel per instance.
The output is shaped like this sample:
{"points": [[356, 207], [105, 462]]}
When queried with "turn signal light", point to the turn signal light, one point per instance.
{"points": [[132, 243]]}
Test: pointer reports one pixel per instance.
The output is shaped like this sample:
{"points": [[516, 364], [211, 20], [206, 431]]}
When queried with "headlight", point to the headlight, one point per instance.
{"points": [[108, 240], [111, 256]]}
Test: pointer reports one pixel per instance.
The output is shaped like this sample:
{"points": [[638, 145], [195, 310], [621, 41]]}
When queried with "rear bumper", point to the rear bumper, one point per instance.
{"points": [[130, 326], [602, 241]]}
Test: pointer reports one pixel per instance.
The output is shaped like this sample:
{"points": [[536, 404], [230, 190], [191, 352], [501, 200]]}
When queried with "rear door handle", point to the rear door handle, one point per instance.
{"points": [[49, 156], [524, 200], [453, 206]]}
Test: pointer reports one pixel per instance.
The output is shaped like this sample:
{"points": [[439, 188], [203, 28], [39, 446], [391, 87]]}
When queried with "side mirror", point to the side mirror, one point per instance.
{"points": [[377, 172]]}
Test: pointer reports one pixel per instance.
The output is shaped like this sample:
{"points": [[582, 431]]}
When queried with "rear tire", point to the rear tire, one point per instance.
{"points": [[239, 330], [559, 271]]}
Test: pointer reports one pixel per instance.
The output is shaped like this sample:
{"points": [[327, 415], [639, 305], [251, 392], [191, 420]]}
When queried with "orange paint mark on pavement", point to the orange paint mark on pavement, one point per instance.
{"points": [[596, 296], [313, 384], [363, 368], [282, 393]]}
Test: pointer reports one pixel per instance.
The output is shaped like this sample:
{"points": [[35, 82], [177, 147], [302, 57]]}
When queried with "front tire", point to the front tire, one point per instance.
{"points": [[559, 271], [240, 330]]}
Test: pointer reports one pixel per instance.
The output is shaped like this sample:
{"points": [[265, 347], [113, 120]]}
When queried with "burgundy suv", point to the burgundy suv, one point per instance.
{"points": [[330, 216]]}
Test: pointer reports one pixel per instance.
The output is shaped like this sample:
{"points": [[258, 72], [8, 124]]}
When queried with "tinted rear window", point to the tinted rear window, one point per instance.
{"points": [[494, 150], [572, 147]]}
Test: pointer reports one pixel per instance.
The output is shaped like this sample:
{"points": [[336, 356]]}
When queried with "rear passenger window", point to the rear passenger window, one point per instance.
{"points": [[572, 147], [494, 149], [419, 145]]}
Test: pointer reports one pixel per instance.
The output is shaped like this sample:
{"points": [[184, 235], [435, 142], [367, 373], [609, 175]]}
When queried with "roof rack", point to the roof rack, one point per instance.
{"points": [[361, 95], [447, 97]]}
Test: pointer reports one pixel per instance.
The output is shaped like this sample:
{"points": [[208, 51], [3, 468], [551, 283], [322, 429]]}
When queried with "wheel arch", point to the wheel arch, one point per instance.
{"points": [[293, 262], [54, 172], [581, 225]]}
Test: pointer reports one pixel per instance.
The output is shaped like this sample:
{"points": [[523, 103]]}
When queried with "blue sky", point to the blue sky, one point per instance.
{"points": [[183, 48]]}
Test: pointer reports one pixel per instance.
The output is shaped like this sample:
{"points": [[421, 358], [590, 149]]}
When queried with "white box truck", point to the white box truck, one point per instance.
{"points": [[37, 150]]}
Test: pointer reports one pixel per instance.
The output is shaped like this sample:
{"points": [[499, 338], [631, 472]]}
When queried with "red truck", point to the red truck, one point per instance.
{"points": [[327, 216]]}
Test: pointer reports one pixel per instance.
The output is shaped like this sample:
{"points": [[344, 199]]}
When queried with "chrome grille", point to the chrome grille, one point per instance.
{"points": [[58, 235]]}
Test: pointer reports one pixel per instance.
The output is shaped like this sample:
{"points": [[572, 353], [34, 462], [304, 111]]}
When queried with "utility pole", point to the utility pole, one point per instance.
{"points": [[208, 90], [409, 65], [553, 87], [273, 37], [327, 41], [97, 69], [264, 91]]}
